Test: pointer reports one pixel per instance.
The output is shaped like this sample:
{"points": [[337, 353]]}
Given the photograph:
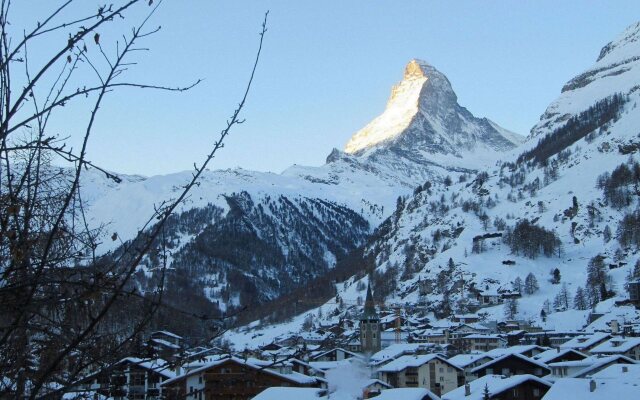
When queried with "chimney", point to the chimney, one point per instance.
{"points": [[467, 389], [592, 385]]}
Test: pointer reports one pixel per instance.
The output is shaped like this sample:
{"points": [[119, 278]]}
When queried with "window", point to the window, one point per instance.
{"points": [[449, 369], [200, 379], [137, 379], [441, 370], [374, 335], [515, 393], [442, 379], [536, 392], [505, 371]]}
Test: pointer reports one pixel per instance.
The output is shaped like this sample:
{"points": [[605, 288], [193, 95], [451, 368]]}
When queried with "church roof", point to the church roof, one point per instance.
{"points": [[369, 306]]}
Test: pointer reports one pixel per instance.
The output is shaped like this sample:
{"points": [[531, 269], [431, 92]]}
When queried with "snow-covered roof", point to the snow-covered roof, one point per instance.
{"points": [[157, 365], [519, 349], [407, 394], [477, 336], [501, 358], [496, 384], [254, 364], [574, 388], [585, 341], [289, 393], [325, 365], [372, 382], [616, 345], [167, 333], [552, 354], [413, 362], [165, 343], [398, 349], [592, 364], [336, 349], [462, 360]]}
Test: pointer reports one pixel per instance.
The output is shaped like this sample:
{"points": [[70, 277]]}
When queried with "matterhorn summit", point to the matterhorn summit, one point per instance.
{"points": [[423, 119]]}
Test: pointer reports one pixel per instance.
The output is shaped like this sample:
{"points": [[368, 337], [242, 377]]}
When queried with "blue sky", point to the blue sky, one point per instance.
{"points": [[327, 69]]}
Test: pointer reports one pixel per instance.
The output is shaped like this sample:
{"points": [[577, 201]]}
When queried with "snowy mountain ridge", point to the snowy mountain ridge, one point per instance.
{"points": [[445, 244], [291, 217]]}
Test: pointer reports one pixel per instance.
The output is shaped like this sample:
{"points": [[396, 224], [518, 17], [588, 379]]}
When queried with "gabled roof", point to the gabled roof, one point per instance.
{"points": [[157, 365], [336, 349], [463, 360], [413, 362], [372, 382], [585, 341], [601, 363], [292, 377], [553, 354], [406, 394], [398, 349], [616, 345], [496, 384], [285, 393], [519, 349], [506, 356]]}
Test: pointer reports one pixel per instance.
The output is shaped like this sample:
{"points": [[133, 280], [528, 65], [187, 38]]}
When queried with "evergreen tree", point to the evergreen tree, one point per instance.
{"points": [[580, 300], [555, 276], [517, 285], [543, 315], [531, 284], [606, 234], [485, 393]]}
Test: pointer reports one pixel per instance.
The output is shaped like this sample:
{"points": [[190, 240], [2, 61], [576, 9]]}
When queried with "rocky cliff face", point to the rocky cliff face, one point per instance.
{"points": [[423, 120]]}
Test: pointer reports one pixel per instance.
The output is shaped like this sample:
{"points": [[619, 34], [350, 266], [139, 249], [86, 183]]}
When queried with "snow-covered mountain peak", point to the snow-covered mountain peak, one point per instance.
{"points": [[625, 45], [423, 121], [616, 71]]}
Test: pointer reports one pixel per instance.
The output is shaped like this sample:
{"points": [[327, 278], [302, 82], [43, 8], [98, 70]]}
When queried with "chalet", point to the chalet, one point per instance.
{"points": [[305, 368], [373, 387], [479, 342], [131, 378], [235, 378], [585, 367], [465, 318], [165, 344], [559, 355], [626, 346], [584, 343], [430, 371], [489, 297], [499, 387], [395, 351], [432, 336], [336, 354], [512, 364], [468, 362], [614, 382], [467, 328]]}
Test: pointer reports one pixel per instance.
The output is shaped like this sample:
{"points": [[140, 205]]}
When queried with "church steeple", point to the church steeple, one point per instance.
{"points": [[370, 325], [369, 306]]}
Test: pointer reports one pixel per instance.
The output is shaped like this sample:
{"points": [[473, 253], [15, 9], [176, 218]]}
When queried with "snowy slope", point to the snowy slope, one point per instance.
{"points": [[438, 223], [265, 233]]}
